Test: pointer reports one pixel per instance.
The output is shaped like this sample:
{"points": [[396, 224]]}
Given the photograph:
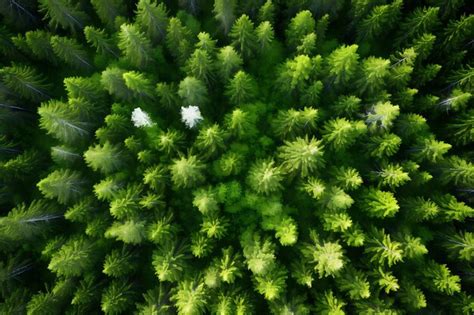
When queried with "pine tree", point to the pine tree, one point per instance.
{"points": [[377, 203], [264, 177], [355, 283], [113, 81], [62, 123], [64, 185], [116, 298], [192, 91], [129, 232], [187, 172], [431, 150], [119, 263], [138, 84], [153, 18], [382, 250], [200, 65], [458, 171], [25, 81], [302, 155], [109, 11], [70, 52], [190, 297], [210, 139], [135, 46], [73, 258], [374, 72], [272, 284], [327, 257], [420, 21], [380, 19], [225, 13], [300, 26], [342, 64], [265, 36], [98, 39], [243, 35], [462, 128], [178, 39], [329, 304], [382, 115], [440, 278], [293, 122], [242, 88], [63, 13], [228, 62], [39, 42], [105, 158], [169, 261], [27, 222], [341, 133]]}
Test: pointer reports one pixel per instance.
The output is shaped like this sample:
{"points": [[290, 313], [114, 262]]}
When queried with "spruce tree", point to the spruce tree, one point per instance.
{"points": [[236, 157]]}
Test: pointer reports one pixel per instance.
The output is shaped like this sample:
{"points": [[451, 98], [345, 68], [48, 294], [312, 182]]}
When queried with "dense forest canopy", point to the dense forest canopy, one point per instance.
{"points": [[236, 157]]}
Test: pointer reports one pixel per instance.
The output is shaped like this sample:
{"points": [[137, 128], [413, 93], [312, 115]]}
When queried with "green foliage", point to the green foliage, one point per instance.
{"points": [[342, 64], [73, 258], [190, 297], [26, 222], [135, 46], [302, 155], [243, 35], [192, 91], [225, 13], [264, 177], [383, 250], [301, 25], [63, 13], [70, 52], [105, 158], [129, 232], [236, 157], [228, 61], [379, 20], [186, 172], [116, 297], [64, 185], [25, 81], [153, 18], [242, 88]]}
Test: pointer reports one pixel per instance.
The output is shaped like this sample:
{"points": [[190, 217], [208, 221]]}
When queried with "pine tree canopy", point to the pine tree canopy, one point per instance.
{"points": [[238, 157]]}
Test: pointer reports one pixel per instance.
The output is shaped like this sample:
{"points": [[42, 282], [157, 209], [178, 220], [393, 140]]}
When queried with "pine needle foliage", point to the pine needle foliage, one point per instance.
{"points": [[236, 157]]}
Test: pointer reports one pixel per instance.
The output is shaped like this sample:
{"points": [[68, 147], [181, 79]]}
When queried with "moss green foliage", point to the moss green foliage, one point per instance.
{"points": [[236, 157]]}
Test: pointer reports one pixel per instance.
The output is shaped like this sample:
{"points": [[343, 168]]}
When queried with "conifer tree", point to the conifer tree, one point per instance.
{"points": [[225, 12], [70, 52], [153, 18], [301, 25], [63, 13], [26, 222], [64, 185], [62, 123], [242, 88], [186, 171], [236, 157], [243, 35], [135, 46], [192, 91], [228, 61], [98, 39], [25, 81], [342, 64], [302, 155]]}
